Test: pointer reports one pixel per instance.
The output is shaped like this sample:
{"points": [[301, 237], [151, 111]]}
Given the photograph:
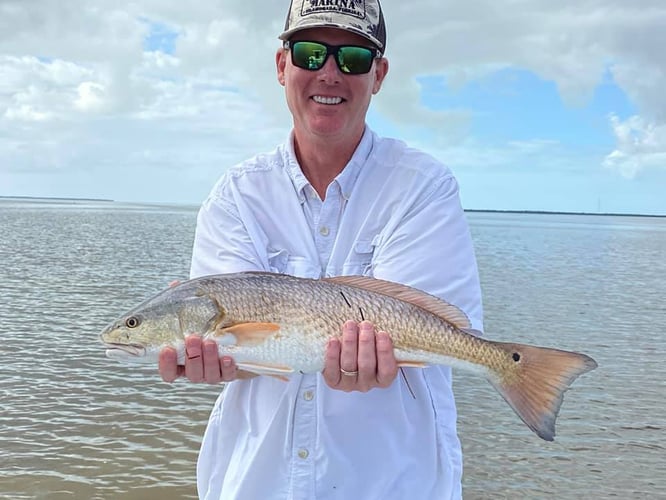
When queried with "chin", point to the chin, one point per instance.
{"points": [[328, 127]]}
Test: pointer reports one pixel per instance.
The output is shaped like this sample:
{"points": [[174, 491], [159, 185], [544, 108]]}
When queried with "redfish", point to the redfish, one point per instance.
{"points": [[274, 324]]}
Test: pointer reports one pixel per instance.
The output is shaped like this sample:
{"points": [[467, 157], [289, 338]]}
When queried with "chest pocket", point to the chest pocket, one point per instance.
{"points": [[359, 261], [277, 260], [280, 261]]}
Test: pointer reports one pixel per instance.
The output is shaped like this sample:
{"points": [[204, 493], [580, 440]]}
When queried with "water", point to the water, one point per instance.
{"points": [[588, 283], [76, 425]]}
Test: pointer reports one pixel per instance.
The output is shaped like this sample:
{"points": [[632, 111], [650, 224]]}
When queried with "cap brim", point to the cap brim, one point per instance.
{"points": [[286, 35]]}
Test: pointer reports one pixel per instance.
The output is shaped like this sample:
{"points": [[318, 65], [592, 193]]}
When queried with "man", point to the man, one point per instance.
{"points": [[335, 199]]}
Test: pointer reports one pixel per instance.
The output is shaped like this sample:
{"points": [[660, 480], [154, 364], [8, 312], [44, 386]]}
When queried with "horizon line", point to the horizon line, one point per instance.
{"points": [[475, 210]]}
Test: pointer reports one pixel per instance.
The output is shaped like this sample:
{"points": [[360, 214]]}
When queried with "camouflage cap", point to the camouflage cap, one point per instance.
{"points": [[363, 17]]}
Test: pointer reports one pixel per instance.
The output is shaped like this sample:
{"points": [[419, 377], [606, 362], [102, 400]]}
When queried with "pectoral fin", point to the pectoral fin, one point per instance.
{"points": [[277, 371], [249, 334]]}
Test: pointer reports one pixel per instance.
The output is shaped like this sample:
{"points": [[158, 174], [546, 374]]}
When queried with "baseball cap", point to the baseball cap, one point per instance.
{"points": [[363, 17]]}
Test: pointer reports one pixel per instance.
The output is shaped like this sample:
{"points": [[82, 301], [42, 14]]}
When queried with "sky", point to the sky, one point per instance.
{"points": [[533, 104]]}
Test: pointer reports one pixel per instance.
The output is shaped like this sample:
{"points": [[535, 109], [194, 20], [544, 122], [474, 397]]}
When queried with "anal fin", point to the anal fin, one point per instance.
{"points": [[277, 371], [412, 364]]}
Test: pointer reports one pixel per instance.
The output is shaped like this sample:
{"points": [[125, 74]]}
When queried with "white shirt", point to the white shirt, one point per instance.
{"points": [[393, 213]]}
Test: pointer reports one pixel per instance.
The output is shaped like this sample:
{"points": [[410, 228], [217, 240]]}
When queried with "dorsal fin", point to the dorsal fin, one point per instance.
{"points": [[430, 303]]}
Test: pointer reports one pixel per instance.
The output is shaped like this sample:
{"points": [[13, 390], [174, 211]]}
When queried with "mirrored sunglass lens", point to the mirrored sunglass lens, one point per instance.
{"points": [[355, 60], [308, 55]]}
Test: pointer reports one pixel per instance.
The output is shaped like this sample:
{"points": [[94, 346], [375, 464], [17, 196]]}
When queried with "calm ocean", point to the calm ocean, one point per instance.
{"points": [[74, 424]]}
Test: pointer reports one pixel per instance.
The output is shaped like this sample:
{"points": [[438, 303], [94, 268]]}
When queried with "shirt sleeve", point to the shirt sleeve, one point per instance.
{"points": [[222, 243], [430, 248]]}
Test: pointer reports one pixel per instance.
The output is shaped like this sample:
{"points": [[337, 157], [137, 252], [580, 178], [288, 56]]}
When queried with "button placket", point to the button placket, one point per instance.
{"points": [[304, 438]]}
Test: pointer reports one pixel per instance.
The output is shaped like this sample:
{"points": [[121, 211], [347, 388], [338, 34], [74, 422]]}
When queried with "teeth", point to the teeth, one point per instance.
{"points": [[327, 100]]}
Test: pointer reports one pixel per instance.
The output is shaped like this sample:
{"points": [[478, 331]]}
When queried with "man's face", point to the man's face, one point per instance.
{"points": [[328, 103]]}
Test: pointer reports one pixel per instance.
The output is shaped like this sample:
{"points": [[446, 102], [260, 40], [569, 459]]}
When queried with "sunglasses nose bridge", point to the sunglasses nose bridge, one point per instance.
{"points": [[330, 67]]}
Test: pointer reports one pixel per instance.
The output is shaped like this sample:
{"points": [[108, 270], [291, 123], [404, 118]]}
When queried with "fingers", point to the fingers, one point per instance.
{"points": [[194, 368], [367, 357], [168, 365], [361, 360], [349, 349], [341, 360], [229, 370], [212, 371], [202, 363], [387, 365], [332, 372]]}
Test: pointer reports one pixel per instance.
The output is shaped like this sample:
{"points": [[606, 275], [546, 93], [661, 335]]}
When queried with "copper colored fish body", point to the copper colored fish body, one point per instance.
{"points": [[274, 324]]}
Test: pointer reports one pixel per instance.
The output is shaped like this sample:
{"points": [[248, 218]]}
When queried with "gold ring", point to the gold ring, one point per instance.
{"points": [[348, 374]]}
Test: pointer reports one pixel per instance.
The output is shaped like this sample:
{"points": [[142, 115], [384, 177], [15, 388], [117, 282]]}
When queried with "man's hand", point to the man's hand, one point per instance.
{"points": [[202, 363], [363, 360], [360, 361]]}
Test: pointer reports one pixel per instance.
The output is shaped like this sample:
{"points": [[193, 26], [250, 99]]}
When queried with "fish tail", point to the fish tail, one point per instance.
{"points": [[535, 384]]}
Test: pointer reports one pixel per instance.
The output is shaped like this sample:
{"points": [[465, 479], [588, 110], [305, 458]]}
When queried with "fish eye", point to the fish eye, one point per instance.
{"points": [[132, 322]]}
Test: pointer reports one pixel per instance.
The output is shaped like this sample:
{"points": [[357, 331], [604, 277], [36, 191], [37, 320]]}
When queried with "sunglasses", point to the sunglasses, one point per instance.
{"points": [[351, 59]]}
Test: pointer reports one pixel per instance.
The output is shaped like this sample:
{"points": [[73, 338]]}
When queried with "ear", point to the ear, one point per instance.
{"points": [[381, 70], [280, 64]]}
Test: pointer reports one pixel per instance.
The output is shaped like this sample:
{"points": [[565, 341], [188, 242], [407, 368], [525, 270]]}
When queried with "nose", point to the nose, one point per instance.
{"points": [[329, 72]]}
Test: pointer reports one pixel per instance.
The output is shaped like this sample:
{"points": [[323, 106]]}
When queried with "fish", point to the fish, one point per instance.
{"points": [[277, 325]]}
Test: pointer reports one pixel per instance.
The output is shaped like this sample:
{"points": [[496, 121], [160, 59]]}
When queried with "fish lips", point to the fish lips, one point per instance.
{"points": [[121, 351]]}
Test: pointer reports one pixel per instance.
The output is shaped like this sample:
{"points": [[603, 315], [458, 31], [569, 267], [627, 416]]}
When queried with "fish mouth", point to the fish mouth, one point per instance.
{"points": [[114, 350]]}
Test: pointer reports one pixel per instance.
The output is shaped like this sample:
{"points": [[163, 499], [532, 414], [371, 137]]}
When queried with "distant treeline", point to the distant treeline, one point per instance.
{"points": [[554, 212], [477, 210], [51, 198]]}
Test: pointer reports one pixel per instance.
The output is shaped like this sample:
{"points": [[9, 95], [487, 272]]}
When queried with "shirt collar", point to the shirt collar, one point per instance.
{"points": [[296, 175], [345, 179]]}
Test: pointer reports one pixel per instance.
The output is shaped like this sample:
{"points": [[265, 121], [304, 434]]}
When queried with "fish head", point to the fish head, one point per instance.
{"points": [[162, 321]]}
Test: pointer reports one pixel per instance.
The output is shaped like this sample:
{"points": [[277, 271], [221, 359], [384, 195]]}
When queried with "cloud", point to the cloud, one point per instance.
{"points": [[91, 83], [569, 42], [640, 145]]}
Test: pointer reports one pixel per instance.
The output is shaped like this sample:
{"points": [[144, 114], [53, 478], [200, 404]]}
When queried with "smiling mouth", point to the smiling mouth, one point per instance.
{"points": [[327, 100]]}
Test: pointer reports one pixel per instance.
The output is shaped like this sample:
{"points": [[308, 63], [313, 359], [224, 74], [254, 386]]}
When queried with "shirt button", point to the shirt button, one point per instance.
{"points": [[308, 395], [303, 453], [324, 231]]}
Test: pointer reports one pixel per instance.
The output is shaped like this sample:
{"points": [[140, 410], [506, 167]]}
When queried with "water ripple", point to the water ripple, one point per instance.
{"points": [[76, 425]]}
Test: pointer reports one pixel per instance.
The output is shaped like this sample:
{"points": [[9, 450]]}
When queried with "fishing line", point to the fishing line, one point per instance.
{"points": [[404, 377], [343, 296]]}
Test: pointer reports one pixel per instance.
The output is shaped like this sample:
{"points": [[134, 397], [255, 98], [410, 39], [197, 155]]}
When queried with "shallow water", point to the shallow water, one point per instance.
{"points": [[74, 424], [588, 283]]}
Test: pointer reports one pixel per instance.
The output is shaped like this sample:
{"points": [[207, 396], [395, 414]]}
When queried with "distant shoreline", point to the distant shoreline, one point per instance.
{"points": [[554, 212], [469, 210], [49, 198]]}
